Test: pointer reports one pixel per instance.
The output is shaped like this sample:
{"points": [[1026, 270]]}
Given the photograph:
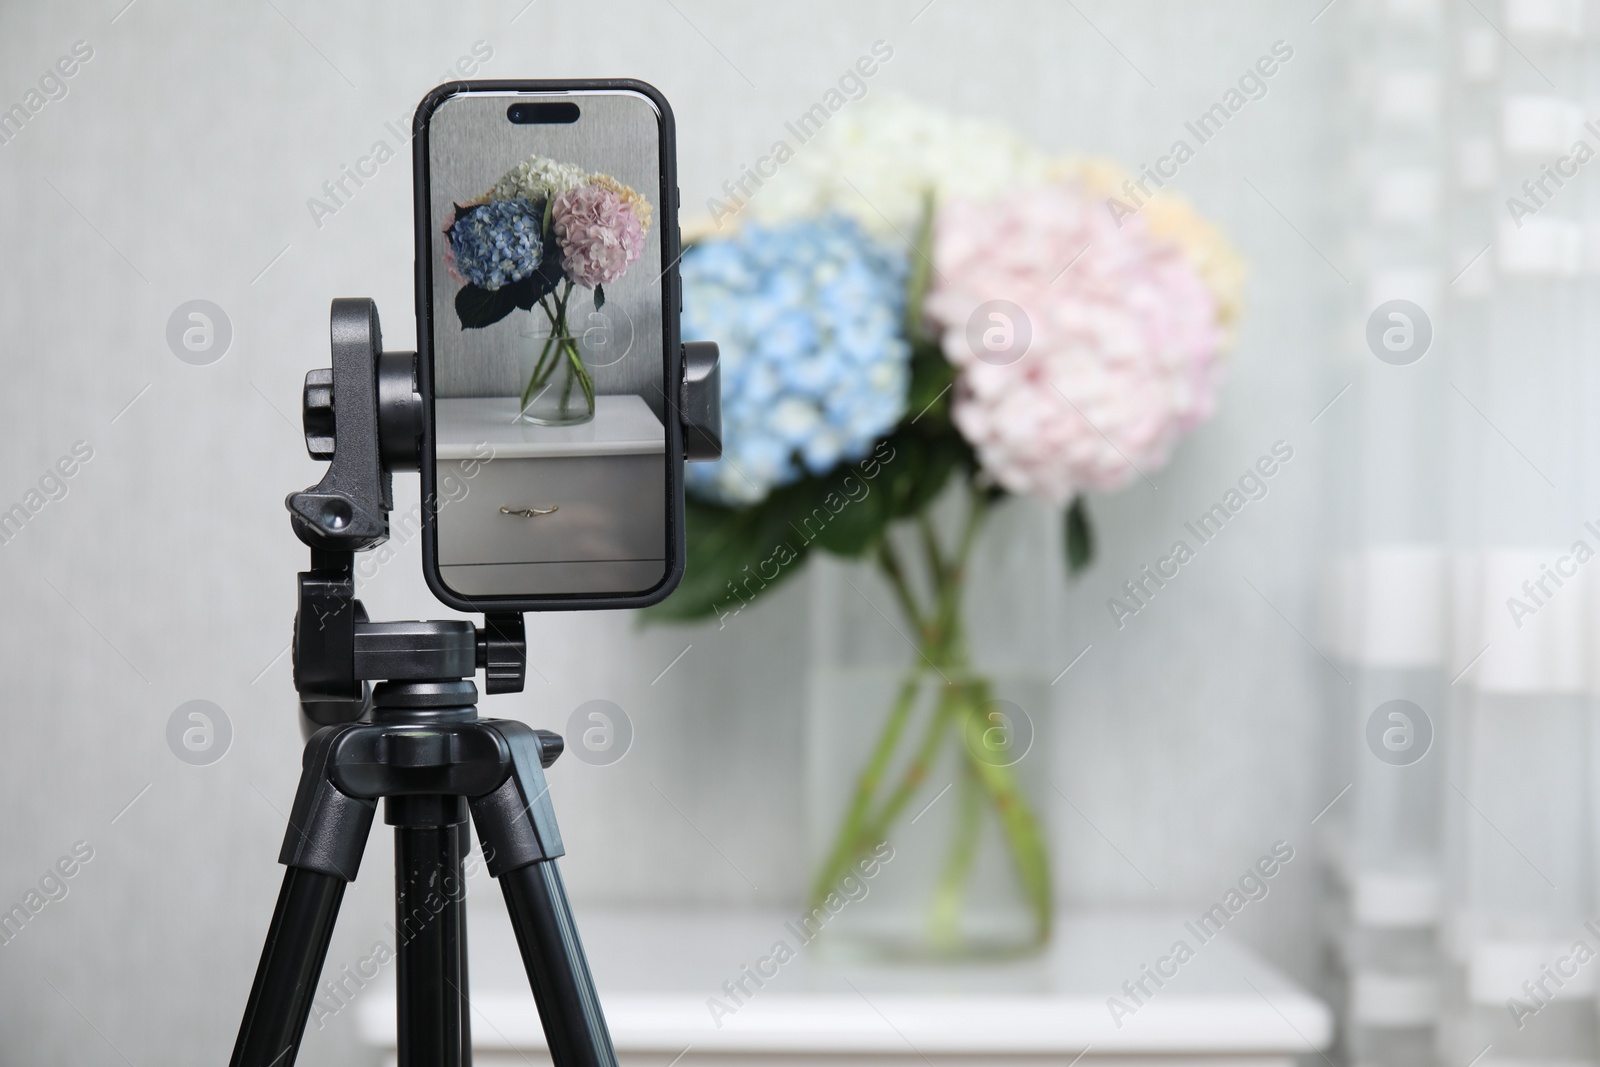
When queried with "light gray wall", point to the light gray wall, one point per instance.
{"points": [[179, 166]]}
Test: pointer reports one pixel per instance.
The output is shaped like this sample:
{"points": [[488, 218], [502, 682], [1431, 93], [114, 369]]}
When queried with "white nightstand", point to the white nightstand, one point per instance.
{"points": [[606, 480], [656, 970]]}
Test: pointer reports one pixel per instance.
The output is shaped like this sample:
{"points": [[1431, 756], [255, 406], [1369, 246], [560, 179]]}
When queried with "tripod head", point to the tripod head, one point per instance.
{"points": [[364, 415]]}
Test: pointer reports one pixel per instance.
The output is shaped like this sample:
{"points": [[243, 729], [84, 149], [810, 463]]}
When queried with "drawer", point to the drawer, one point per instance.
{"points": [[608, 509], [563, 578]]}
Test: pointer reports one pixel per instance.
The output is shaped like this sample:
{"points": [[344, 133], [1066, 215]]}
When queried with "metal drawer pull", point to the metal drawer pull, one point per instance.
{"points": [[528, 513]]}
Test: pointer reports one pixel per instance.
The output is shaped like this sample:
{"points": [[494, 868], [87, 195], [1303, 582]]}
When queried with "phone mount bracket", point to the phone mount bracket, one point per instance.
{"points": [[364, 416]]}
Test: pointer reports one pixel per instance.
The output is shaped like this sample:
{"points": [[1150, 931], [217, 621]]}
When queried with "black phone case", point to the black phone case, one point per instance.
{"points": [[670, 332]]}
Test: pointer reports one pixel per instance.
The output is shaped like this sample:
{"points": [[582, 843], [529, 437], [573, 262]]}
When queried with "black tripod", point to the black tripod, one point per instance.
{"points": [[429, 755], [416, 741]]}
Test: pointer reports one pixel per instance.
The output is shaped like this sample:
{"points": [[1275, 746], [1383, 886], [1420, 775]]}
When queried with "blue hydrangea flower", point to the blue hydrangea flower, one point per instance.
{"points": [[814, 365], [497, 243]]}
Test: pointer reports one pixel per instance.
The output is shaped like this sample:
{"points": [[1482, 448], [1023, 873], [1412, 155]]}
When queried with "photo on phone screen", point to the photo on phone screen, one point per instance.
{"points": [[549, 223]]}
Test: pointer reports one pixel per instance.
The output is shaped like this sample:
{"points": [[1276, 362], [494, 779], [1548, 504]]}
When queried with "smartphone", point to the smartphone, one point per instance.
{"points": [[548, 350]]}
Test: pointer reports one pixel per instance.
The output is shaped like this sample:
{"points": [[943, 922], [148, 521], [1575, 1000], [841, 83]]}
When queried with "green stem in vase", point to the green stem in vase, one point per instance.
{"points": [[951, 890], [958, 711], [859, 833], [1026, 840], [944, 647], [543, 366], [944, 713], [536, 380], [1018, 824], [937, 567], [560, 348], [566, 390], [580, 375], [889, 563], [559, 328], [851, 840]]}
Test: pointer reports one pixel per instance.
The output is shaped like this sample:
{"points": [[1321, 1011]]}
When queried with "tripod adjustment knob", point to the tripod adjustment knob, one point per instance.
{"points": [[503, 652], [316, 413], [551, 745]]}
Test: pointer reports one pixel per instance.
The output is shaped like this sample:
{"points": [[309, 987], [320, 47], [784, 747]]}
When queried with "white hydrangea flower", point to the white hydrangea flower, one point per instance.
{"points": [[538, 178], [876, 159]]}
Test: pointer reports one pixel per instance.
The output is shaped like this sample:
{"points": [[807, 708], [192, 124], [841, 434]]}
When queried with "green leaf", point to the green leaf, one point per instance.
{"points": [[932, 380], [917, 467], [858, 524], [522, 294], [526, 292], [734, 557], [1080, 536], [737, 553], [599, 297], [477, 307], [545, 277], [921, 268]]}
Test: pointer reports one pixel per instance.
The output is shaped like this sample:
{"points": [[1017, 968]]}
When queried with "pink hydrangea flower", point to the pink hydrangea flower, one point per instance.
{"points": [[1123, 355], [599, 232]]}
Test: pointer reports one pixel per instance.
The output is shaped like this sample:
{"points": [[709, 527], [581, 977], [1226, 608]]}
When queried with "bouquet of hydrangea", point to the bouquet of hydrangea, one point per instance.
{"points": [[542, 230], [927, 303]]}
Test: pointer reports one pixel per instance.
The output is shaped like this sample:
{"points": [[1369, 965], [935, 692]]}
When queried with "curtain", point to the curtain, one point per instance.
{"points": [[1463, 601]]}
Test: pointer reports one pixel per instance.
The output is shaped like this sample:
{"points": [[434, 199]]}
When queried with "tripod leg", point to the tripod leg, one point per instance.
{"points": [[286, 981], [322, 849], [569, 1008], [520, 844], [430, 916], [464, 836]]}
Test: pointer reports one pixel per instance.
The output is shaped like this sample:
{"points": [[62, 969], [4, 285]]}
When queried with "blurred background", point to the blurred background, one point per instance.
{"points": [[1444, 861]]}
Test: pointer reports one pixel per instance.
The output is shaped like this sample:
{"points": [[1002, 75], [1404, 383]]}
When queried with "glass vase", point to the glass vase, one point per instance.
{"points": [[961, 870], [927, 781], [559, 389]]}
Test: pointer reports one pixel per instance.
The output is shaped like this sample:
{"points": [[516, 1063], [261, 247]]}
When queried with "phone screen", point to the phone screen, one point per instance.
{"points": [[548, 224]]}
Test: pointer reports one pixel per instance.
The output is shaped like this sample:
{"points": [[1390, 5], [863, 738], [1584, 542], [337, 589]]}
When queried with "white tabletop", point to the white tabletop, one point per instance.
{"points": [[623, 425], [656, 970]]}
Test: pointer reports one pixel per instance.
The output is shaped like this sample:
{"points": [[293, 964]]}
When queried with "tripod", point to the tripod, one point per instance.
{"points": [[431, 758], [415, 741]]}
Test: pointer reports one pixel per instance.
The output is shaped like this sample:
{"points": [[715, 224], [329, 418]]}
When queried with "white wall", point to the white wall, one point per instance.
{"points": [[179, 166]]}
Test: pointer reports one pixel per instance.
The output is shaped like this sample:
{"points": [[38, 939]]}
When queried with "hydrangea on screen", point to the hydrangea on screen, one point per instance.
{"points": [[494, 244]]}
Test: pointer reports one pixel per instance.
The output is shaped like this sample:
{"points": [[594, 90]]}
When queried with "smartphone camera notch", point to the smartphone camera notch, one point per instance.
{"points": [[546, 113]]}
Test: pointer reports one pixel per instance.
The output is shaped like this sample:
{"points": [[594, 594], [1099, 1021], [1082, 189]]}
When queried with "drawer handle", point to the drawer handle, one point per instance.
{"points": [[528, 513]]}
